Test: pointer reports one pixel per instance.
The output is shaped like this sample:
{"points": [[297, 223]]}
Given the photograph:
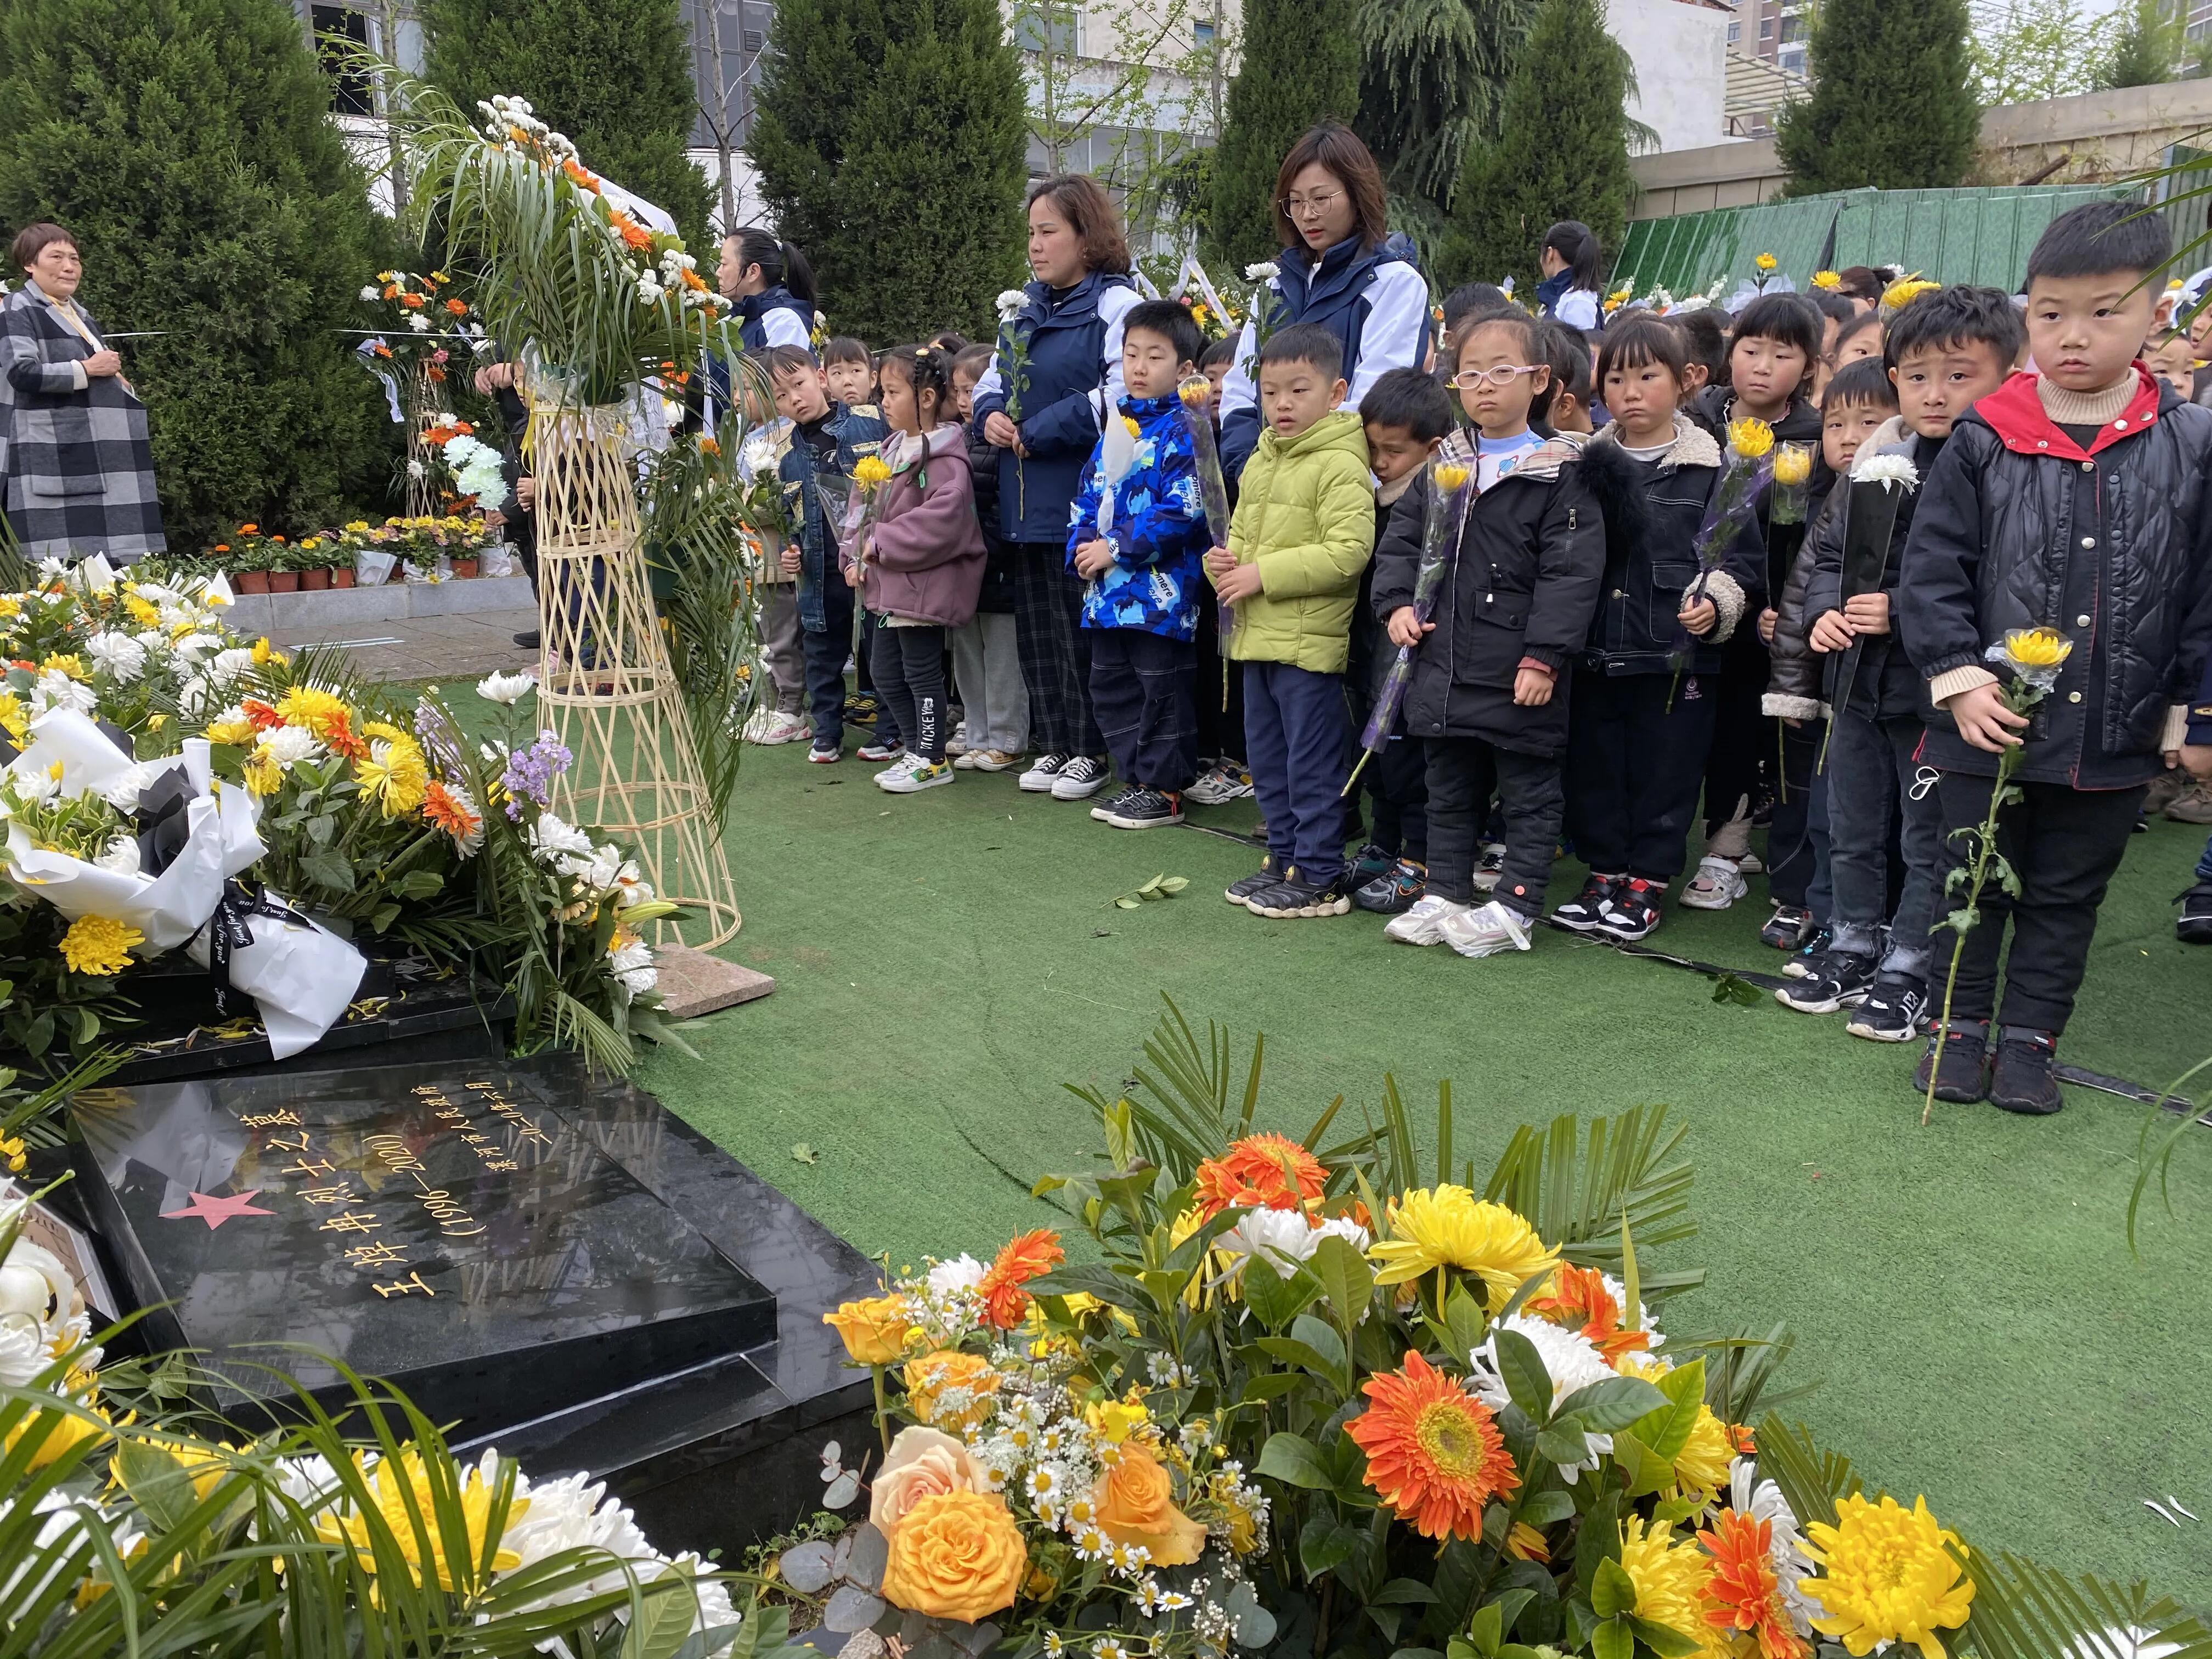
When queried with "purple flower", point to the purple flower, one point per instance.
{"points": [[530, 772]]}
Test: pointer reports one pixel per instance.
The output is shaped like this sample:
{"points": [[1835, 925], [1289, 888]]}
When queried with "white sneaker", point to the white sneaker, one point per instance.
{"points": [[956, 745], [782, 728], [1221, 784], [1080, 779], [1484, 932], [910, 774], [992, 760], [1717, 884], [1043, 773], [1425, 923]]}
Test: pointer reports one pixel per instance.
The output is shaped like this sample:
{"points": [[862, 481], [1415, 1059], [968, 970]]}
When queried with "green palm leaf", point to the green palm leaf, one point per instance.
{"points": [[1576, 1196], [2024, 1611]]}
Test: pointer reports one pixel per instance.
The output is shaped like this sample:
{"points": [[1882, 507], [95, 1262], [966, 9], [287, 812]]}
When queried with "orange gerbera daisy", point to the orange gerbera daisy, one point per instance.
{"points": [[1030, 1255], [454, 812], [1271, 1170], [265, 718], [1743, 1593], [412, 301], [580, 177], [1579, 1300], [1433, 1450], [459, 307], [633, 233]]}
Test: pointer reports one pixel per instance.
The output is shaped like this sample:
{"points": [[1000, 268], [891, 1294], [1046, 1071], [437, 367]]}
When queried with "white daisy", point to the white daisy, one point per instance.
{"points": [[1571, 1359]]}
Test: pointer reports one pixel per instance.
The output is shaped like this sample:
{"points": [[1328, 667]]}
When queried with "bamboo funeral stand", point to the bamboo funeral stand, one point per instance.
{"points": [[606, 681]]}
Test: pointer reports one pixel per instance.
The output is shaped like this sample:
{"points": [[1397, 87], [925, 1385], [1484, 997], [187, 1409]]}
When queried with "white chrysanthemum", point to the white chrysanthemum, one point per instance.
{"points": [[121, 857], [418, 322], [1010, 303], [56, 690], [122, 656], [229, 665], [195, 646], [1265, 271], [1571, 1359], [1283, 1238], [575, 1513], [638, 981], [1763, 1500], [22, 1352], [124, 789], [963, 1273], [507, 689], [290, 745], [1887, 469], [551, 836]]}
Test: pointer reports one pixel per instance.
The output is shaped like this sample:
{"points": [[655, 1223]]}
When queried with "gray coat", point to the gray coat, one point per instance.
{"points": [[78, 464]]}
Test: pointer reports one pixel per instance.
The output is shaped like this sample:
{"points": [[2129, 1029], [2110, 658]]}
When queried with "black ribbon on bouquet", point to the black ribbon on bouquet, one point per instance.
{"points": [[163, 825], [230, 930]]}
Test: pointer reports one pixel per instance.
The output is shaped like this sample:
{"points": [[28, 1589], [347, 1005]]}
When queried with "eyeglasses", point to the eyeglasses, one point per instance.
{"points": [[1301, 207], [1470, 379]]}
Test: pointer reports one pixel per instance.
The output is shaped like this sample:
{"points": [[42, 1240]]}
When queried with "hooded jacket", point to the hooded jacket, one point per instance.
{"points": [[926, 561], [2019, 526], [1652, 512], [1158, 534], [1306, 517], [1522, 585]]}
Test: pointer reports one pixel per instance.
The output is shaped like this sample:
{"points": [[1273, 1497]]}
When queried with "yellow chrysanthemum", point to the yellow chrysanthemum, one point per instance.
{"points": [[1448, 1226], [394, 775], [1904, 291], [1750, 438], [394, 1480], [1767, 262], [1670, 1579], [1793, 463], [2037, 648], [264, 773], [98, 944], [871, 472], [1889, 1575], [264, 653], [1451, 477], [237, 734], [316, 710], [67, 663], [141, 611], [1196, 392], [14, 717], [1702, 1465], [1827, 279]]}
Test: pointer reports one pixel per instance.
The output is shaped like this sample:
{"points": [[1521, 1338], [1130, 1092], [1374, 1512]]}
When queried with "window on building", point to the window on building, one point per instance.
{"points": [[1736, 32], [1793, 29], [756, 41], [335, 27], [2199, 29], [1767, 28], [1201, 35], [1057, 32], [1793, 60]]}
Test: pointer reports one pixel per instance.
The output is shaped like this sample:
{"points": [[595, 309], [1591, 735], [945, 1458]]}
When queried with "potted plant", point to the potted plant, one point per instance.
{"points": [[246, 557], [284, 567], [314, 564]]}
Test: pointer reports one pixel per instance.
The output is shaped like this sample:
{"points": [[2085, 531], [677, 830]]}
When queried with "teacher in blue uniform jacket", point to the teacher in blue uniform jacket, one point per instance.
{"points": [[1056, 374]]}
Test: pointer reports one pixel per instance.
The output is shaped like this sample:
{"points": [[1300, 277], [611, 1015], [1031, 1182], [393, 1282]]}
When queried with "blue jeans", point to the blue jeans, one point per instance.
{"points": [[1294, 736], [824, 651], [1872, 763]]}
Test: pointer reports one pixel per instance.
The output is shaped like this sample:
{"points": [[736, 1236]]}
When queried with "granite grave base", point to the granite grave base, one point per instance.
{"points": [[553, 1263]]}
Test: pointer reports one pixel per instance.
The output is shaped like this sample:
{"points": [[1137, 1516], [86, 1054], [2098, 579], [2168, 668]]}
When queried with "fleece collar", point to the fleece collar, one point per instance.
{"points": [[1692, 446], [2016, 413]]}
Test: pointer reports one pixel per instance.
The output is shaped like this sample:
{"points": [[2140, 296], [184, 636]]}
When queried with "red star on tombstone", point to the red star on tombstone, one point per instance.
{"points": [[215, 1211]]}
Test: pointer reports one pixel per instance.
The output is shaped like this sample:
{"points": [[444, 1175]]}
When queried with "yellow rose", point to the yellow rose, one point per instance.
{"points": [[957, 1555], [874, 1329], [921, 1463], [950, 1390], [1135, 1500]]}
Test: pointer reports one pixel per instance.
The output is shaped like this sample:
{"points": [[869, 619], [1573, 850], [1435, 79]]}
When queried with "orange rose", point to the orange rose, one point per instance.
{"points": [[874, 1329], [1136, 1505], [957, 1555], [921, 1463], [950, 1390]]}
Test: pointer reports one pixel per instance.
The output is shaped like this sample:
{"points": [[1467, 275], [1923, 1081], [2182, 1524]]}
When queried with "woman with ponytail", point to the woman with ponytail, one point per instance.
{"points": [[1569, 260], [774, 287]]}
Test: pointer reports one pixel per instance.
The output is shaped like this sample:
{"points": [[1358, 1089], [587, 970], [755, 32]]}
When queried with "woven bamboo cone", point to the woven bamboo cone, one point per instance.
{"points": [[606, 679]]}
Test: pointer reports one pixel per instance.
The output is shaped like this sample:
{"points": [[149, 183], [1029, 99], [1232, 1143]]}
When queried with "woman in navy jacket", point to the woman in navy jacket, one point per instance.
{"points": [[1341, 268], [774, 287], [1070, 326]]}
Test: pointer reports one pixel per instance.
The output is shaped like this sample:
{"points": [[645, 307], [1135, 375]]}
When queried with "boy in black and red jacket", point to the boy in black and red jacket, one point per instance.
{"points": [[2074, 498]]}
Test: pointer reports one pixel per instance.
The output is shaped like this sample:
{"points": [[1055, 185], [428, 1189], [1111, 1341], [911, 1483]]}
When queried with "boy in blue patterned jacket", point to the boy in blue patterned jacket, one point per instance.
{"points": [[1137, 534]]}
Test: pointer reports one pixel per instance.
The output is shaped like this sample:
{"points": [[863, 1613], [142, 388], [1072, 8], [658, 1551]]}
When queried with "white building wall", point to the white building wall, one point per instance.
{"points": [[1680, 48]]}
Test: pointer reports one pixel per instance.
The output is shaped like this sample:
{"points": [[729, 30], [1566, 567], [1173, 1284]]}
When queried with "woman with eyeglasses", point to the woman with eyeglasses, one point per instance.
{"points": [[1054, 380], [1569, 260], [73, 441], [1341, 268]]}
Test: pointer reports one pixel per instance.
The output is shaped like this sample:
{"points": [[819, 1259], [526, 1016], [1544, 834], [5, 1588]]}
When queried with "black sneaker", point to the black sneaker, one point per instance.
{"points": [[530, 640], [1238, 891], [1396, 891], [1893, 1011], [1294, 895], [1787, 929], [1144, 808], [1841, 979], [1489, 867], [1632, 913], [1580, 913], [1369, 862], [2194, 925], [1104, 810], [2024, 1080], [1800, 966], [1962, 1071]]}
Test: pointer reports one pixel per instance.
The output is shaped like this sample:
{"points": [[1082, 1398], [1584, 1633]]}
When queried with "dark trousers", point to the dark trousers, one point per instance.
{"points": [[1742, 749], [1796, 842], [1221, 686], [910, 681], [1634, 768], [1294, 727], [1143, 695], [1531, 789], [1872, 766], [824, 654], [2063, 844], [1054, 651], [1396, 784]]}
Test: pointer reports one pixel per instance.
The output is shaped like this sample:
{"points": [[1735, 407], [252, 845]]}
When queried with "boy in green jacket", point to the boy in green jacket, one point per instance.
{"points": [[1304, 529]]}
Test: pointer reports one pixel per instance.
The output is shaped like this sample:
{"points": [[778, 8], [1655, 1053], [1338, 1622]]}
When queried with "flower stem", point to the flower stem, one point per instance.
{"points": [[882, 1409], [1986, 841]]}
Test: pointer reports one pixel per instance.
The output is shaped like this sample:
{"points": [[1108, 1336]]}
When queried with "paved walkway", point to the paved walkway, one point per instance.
{"points": [[471, 644]]}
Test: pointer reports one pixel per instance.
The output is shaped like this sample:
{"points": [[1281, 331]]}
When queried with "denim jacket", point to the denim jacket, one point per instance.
{"points": [[858, 433], [1159, 527]]}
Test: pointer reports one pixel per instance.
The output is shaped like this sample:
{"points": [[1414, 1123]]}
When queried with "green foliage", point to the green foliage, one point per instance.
{"points": [[1301, 65], [613, 74], [188, 145], [1892, 103], [2149, 47], [2038, 49], [1433, 85], [1562, 151], [890, 138]]}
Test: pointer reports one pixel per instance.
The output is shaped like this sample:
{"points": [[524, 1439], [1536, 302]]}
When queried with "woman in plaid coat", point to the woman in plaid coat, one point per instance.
{"points": [[73, 442]]}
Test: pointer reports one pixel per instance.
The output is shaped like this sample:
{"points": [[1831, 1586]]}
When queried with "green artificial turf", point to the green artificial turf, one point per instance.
{"points": [[1964, 1293]]}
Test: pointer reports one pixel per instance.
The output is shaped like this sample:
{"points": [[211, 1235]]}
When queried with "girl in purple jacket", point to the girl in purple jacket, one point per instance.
{"points": [[922, 562]]}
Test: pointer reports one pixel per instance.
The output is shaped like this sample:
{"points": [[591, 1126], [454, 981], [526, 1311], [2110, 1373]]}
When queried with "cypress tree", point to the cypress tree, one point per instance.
{"points": [[615, 75], [187, 144], [2146, 49], [1892, 102], [890, 142], [1301, 64], [1561, 152]]}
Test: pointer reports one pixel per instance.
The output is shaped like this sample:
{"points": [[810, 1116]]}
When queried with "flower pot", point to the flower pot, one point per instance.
{"points": [[251, 581], [341, 579], [464, 569], [314, 581], [283, 581]]}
